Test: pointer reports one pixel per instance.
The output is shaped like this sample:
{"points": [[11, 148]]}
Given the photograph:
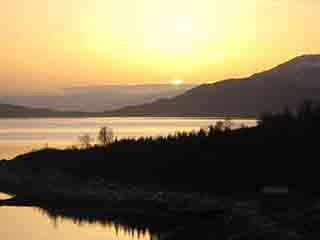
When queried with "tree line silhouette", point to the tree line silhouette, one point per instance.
{"points": [[104, 138], [282, 150]]}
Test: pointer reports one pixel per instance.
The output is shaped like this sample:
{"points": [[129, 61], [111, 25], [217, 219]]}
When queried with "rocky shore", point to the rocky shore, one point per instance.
{"points": [[188, 214]]}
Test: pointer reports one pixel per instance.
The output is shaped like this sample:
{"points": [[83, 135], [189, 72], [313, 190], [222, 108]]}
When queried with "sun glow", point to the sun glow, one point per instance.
{"points": [[177, 82], [182, 30], [174, 35], [167, 36], [57, 43]]}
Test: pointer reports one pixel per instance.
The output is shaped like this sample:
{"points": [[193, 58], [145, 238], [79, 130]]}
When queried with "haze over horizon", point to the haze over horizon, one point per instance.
{"points": [[56, 44], [93, 98]]}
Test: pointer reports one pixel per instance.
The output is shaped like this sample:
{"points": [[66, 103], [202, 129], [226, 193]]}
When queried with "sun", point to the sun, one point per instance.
{"points": [[177, 82]]}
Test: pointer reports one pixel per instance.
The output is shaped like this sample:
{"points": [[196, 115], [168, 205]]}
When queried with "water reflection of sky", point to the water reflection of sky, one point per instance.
{"points": [[21, 135], [30, 223]]}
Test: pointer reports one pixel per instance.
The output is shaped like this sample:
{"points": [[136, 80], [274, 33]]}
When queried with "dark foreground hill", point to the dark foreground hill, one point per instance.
{"points": [[281, 150], [172, 184], [13, 111], [286, 85]]}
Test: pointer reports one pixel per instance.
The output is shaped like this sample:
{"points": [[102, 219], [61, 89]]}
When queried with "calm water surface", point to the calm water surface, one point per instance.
{"points": [[35, 224], [18, 136]]}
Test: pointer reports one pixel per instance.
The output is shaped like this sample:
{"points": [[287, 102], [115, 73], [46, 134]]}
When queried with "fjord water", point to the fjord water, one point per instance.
{"points": [[18, 136], [32, 223]]}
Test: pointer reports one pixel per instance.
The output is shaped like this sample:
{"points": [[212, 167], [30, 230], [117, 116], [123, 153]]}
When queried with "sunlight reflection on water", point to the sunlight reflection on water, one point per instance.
{"points": [[18, 136], [30, 223]]}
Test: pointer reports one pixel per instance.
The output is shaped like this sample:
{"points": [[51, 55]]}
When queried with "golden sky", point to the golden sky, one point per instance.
{"points": [[63, 43]]}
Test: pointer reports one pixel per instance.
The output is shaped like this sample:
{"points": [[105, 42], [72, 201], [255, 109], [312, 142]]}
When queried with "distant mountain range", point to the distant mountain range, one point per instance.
{"points": [[14, 111], [286, 85], [97, 98]]}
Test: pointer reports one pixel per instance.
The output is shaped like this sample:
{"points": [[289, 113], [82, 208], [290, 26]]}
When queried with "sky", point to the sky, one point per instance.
{"points": [[49, 44]]}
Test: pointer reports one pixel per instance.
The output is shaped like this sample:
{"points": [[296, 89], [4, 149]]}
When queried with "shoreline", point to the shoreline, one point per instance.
{"points": [[136, 116], [239, 219]]}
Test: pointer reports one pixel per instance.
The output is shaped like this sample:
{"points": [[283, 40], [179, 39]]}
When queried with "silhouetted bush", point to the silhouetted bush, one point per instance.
{"points": [[85, 141]]}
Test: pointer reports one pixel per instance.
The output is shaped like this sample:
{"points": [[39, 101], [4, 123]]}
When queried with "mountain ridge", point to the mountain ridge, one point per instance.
{"points": [[284, 86], [96, 98], [19, 111]]}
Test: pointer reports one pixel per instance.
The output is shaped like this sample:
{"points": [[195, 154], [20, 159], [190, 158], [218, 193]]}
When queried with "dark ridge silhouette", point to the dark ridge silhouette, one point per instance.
{"points": [[284, 86], [282, 150], [13, 111]]}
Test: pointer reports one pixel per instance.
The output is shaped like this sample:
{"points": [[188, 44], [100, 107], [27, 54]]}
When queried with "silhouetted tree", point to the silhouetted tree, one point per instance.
{"points": [[306, 110], [228, 124], [217, 129], [85, 141], [105, 136]]}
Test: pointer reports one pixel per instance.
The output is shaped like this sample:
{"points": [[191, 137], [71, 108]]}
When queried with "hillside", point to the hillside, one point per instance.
{"points": [[13, 111], [286, 85], [95, 98]]}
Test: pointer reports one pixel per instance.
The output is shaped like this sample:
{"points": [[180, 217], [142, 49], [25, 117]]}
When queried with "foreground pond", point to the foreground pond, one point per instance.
{"points": [[50, 223], [32, 223], [243, 220]]}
